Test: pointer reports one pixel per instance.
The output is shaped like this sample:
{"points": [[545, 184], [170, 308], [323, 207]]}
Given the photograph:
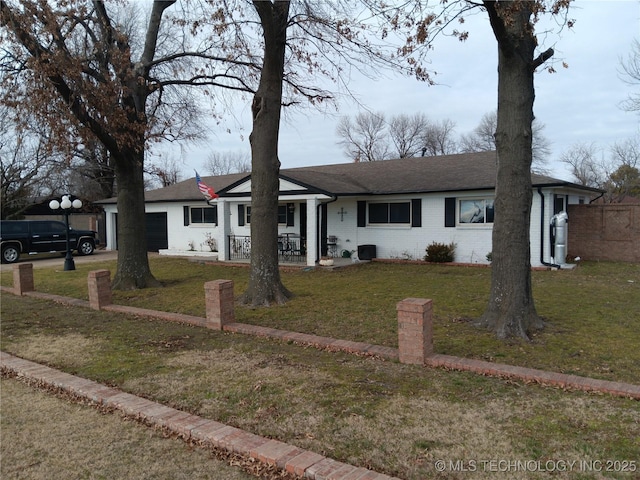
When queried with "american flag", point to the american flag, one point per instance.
{"points": [[206, 190]]}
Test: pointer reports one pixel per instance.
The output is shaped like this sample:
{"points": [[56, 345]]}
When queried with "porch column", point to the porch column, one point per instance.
{"points": [[224, 228], [312, 231]]}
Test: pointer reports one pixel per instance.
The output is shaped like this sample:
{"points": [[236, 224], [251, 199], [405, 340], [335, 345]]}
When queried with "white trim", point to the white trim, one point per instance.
{"points": [[284, 186], [188, 253]]}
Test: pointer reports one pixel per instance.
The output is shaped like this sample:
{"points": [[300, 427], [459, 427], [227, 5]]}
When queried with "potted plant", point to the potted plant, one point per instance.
{"points": [[326, 261]]}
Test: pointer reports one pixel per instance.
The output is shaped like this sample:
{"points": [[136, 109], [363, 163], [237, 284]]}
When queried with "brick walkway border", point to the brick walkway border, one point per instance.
{"points": [[292, 459], [528, 375]]}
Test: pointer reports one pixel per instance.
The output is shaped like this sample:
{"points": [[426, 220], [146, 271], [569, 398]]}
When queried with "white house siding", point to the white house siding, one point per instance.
{"points": [[179, 236], [406, 242], [343, 226], [473, 242], [183, 237]]}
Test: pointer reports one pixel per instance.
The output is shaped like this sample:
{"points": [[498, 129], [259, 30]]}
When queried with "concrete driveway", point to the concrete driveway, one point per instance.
{"points": [[46, 260]]}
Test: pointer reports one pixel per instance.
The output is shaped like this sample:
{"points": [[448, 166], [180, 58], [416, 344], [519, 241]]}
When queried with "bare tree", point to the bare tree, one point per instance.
{"points": [[511, 310], [585, 166], [627, 152], [28, 167], [92, 172], [631, 74], [166, 171], [369, 138], [438, 138], [265, 286], [219, 163], [364, 139], [624, 181], [300, 42], [22, 160], [616, 175], [406, 133], [482, 139], [80, 66]]}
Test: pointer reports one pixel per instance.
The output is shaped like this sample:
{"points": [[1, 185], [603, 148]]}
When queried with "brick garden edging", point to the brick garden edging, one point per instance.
{"points": [[415, 336], [290, 458], [415, 346]]}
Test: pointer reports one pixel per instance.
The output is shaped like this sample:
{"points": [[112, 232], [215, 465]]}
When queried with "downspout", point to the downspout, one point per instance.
{"points": [[542, 227]]}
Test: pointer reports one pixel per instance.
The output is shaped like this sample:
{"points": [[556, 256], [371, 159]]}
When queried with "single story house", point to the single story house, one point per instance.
{"points": [[384, 209]]}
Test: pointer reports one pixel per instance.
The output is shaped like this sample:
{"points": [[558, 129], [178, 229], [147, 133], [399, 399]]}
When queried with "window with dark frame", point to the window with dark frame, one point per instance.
{"points": [[390, 213], [204, 215], [282, 214]]}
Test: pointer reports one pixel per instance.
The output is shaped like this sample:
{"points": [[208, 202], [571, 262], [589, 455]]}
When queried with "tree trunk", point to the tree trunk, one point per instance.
{"points": [[265, 286], [133, 270], [511, 310]]}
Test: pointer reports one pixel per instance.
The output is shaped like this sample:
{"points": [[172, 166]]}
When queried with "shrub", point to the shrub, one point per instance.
{"points": [[210, 242], [440, 252]]}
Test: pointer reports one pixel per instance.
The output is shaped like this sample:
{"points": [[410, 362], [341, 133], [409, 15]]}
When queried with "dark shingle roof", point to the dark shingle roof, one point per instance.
{"points": [[445, 173], [405, 175], [186, 190]]}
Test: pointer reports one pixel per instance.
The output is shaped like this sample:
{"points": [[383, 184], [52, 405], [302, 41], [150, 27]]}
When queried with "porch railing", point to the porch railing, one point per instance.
{"points": [[290, 248], [239, 247]]}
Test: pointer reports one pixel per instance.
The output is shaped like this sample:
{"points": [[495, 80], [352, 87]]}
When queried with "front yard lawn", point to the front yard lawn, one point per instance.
{"points": [[592, 312]]}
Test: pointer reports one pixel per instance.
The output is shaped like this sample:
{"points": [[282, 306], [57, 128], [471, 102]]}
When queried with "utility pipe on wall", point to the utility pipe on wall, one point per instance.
{"points": [[543, 225]]}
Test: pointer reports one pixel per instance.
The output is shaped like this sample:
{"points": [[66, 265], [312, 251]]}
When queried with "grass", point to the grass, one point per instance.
{"points": [[591, 312], [394, 418], [89, 444]]}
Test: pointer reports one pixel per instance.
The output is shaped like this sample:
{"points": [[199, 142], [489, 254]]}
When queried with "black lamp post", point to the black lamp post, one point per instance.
{"points": [[66, 204]]}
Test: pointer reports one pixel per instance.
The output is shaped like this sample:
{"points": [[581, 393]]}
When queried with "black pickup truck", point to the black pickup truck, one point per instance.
{"points": [[38, 236]]}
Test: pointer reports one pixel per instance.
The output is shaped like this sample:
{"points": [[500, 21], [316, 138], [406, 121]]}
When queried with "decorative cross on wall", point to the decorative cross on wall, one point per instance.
{"points": [[342, 213]]}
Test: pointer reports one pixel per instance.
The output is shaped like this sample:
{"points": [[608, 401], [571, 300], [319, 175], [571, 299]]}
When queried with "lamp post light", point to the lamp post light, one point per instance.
{"points": [[66, 205]]}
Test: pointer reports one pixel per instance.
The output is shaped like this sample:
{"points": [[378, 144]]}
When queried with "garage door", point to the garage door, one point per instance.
{"points": [[157, 236]]}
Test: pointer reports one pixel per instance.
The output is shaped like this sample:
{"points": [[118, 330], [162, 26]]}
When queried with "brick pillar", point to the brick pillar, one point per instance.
{"points": [[23, 278], [220, 303], [415, 330], [99, 289]]}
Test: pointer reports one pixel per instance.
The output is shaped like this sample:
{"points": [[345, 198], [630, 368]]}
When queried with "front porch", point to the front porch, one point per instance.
{"points": [[302, 227], [291, 248]]}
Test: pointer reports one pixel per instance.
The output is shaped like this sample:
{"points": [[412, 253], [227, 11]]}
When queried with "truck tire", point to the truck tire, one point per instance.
{"points": [[85, 247], [10, 254]]}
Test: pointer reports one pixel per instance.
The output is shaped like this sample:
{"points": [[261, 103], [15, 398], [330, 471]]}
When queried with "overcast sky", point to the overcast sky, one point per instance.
{"points": [[580, 104]]}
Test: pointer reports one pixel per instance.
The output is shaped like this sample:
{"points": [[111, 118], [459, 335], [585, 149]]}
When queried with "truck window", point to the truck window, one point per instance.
{"points": [[56, 227], [15, 227]]}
